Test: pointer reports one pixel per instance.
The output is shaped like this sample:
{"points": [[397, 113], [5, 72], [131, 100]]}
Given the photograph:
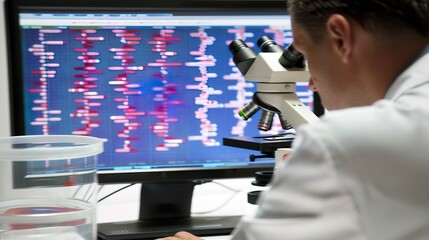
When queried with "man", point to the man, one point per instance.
{"points": [[361, 172]]}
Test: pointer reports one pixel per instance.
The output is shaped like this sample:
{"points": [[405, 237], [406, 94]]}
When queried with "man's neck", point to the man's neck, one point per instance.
{"points": [[391, 58]]}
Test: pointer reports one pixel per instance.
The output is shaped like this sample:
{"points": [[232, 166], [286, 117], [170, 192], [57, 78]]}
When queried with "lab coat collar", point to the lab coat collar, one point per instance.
{"points": [[416, 74]]}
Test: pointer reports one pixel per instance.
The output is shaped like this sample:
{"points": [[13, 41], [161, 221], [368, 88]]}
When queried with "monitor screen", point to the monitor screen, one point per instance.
{"points": [[155, 80]]}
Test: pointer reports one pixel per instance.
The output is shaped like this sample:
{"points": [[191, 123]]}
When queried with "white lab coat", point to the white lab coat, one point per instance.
{"points": [[359, 173]]}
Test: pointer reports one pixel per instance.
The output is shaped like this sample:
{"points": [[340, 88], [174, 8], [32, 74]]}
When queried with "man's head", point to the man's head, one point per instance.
{"points": [[351, 45], [379, 16]]}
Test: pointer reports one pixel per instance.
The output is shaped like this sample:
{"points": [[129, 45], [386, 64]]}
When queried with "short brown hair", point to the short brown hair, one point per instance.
{"points": [[382, 16]]}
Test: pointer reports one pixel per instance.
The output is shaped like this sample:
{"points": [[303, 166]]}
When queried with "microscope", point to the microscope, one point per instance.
{"points": [[276, 71]]}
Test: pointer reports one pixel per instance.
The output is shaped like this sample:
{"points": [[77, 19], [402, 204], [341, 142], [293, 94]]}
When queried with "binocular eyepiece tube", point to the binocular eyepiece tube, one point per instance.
{"points": [[244, 56]]}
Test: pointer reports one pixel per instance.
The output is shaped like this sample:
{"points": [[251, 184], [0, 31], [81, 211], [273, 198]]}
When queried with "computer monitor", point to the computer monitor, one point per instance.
{"points": [[154, 79]]}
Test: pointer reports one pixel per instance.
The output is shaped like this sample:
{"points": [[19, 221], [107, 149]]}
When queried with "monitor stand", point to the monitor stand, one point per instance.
{"points": [[165, 210]]}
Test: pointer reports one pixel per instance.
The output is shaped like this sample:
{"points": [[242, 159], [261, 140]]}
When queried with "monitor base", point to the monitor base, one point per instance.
{"points": [[152, 229]]}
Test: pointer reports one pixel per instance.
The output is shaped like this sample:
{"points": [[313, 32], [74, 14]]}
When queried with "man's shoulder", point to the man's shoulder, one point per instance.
{"points": [[385, 128], [350, 120], [346, 133]]}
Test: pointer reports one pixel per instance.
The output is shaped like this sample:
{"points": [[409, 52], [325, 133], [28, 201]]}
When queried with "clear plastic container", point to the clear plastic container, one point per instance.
{"points": [[48, 187]]}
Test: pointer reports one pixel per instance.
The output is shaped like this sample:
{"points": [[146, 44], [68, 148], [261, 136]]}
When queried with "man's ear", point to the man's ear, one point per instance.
{"points": [[339, 33]]}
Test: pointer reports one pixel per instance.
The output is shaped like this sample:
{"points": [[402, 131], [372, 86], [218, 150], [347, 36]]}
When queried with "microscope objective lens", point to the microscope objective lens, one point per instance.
{"points": [[247, 111], [285, 124], [266, 121]]}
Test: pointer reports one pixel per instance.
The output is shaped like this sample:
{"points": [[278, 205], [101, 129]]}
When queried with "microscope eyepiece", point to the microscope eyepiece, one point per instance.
{"points": [[266, 44], [291, 57], [236, 45], [243, 55]]}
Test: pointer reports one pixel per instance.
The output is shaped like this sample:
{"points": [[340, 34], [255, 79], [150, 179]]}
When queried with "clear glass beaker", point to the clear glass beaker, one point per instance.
{"points": [[48, 187]]}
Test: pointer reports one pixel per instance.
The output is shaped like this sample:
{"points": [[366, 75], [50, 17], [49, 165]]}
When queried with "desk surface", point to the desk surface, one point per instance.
{"points": [[209, 199]]}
